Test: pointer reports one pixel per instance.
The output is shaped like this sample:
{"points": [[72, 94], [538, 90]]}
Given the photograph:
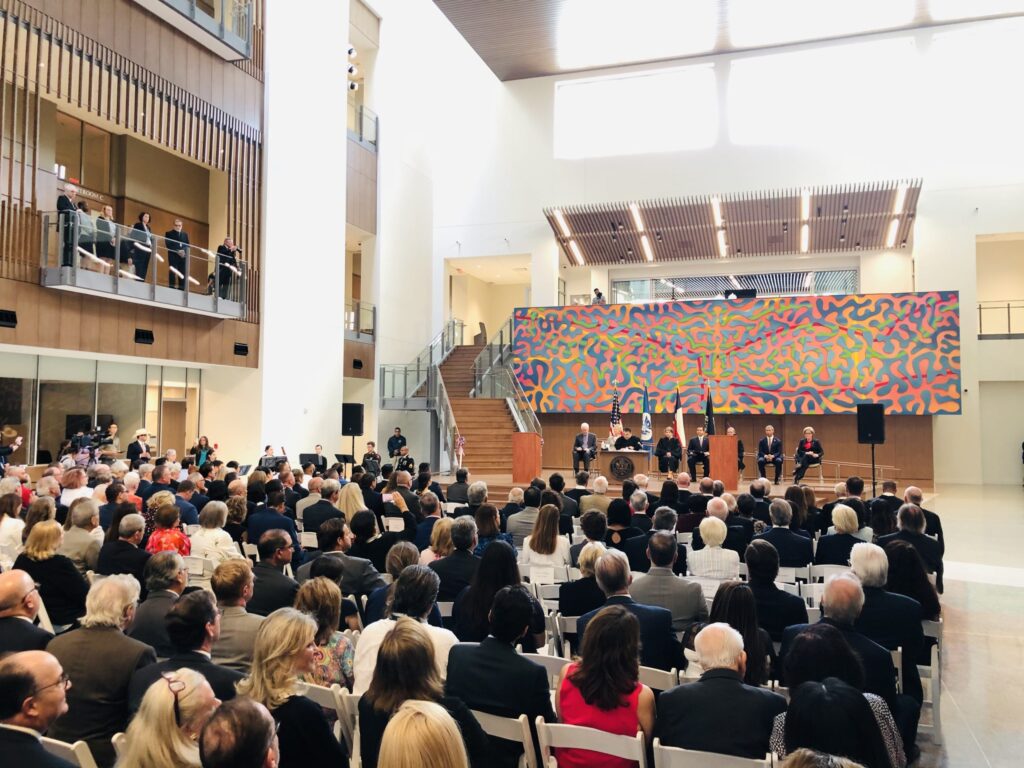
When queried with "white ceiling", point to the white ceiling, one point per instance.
{"points": [[512, 269]]}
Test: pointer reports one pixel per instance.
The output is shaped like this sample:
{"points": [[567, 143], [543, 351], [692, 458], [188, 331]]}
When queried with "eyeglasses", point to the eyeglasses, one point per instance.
{"points": [[176, 687], [64, 682]]}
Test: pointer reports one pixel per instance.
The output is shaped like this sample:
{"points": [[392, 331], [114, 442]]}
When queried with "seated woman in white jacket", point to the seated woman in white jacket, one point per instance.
{"points": [[544, 546], [211, 541], [713, 562]]}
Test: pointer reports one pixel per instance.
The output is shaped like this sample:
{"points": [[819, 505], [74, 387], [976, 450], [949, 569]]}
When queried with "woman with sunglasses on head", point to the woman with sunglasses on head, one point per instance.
{"points": [[165, 732]]}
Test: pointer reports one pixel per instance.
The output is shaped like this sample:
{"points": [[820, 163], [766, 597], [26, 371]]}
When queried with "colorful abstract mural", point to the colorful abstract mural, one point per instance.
{"points": [[799, 354]]}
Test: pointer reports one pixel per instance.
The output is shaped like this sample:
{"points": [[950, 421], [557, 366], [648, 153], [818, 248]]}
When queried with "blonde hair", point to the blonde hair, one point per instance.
{"points": [[272, 679], [713, 531], [808, 429], [159, 499], [351, 500], [589, 556], [74, 478], [441, 537], [421, 734], [844, 518], [154, 738], [44, 540]]}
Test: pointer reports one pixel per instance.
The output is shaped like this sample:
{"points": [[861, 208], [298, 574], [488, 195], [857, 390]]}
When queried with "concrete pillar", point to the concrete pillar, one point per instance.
{"points": [[544, 270]]}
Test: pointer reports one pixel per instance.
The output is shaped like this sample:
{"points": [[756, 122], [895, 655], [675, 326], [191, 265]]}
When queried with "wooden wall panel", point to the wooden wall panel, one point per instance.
{"points": [[361, 187], [357, 350], [908, 443]]}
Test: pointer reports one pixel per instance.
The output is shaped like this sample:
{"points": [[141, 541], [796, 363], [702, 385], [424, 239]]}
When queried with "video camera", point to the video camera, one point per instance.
{"points": [[92, 440]]}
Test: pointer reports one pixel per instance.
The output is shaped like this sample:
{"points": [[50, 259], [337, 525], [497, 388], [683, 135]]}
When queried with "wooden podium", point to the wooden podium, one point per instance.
{"points": [[617, 466], [526, 457], [723, 459]]}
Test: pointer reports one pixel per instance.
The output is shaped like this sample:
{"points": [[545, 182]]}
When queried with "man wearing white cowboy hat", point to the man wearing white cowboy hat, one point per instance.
{"points": [[139, 449]]}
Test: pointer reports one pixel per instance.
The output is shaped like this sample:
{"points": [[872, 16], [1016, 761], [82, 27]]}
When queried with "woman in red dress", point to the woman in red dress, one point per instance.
{"points": [[168, 536]]}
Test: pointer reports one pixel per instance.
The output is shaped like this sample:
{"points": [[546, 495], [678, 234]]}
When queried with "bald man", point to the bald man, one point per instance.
{"points": [[33, 693], [932, 523], [736, 538], [19, 605]]}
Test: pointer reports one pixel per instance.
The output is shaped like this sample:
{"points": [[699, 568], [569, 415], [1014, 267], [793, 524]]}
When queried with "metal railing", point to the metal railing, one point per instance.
{"points": [[497, 353], [229, 20], [363, 124], [493, 377], [416, 380], [101, 255], [448, 430], [999, 319], [360, 318]]}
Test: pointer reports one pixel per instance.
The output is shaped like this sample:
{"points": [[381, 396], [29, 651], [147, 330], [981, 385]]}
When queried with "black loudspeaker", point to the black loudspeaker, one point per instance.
{"points": [[870, 423], [352, 419]]}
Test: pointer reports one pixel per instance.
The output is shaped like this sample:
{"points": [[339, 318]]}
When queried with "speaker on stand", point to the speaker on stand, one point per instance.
{"points": [[352, 423], [871, 431]]}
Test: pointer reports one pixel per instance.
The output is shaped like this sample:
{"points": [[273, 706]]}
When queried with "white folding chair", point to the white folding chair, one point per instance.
{"points": [[897, 660], [793, 589], [790, 575], [330, 698], [931, 682], [450, 507], [813, 615], [693, 668], [548, 574], [659, 679], [43, 615], [566, 625], [308, 540], [674, 757], [684, 538], [575, 574], [709, 586], [552, 736], [547, 594], [554, 635], [812, 593], [251, 550], [350, 724], [353, 634], [394, 524], [120, 742], [77, 754], [553, 664], [199, 569], [822, 572], [511, 729], [743, 571], [445, 609]]}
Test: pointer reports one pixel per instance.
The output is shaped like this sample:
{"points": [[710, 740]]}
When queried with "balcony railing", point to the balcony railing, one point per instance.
{"points": [[1001, 319], [96, 256], [412, 386], [360, 320], [224, 26], [362, 125]]}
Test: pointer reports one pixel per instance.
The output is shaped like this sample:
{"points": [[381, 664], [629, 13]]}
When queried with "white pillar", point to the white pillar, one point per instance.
{"points": [[304, 225], [544, 269]]}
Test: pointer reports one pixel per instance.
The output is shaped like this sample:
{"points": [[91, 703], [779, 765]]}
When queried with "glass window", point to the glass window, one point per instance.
{"points": [[67, 400], [82, 153], [174, 421], [68, 158], [121, 399], [756, 23], [95, 159], [17, 395], [666, 110]]}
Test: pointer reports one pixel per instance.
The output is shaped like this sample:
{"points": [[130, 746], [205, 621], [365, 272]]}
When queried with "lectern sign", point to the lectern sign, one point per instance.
{"points": [[622, 468]]}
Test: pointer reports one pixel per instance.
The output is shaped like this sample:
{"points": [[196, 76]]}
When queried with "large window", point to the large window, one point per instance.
{"points": [[17, 400], [691, 288], [82, 154]]}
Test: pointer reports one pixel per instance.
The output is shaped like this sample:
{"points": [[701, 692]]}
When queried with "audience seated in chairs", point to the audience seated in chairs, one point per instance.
{"points": [[594, 526], [167, 535], [83, 539], [661, 587], [166, 579], [211, 542], [369, 543], [400, 556], [405, 671], [440, 541], [232, 583], [488, 528], [907, 576], [286, 650], [713, 561], [121, 552], [544, 545], [912, 530], [795, 551], [457, 569], [241, 732], [321, 599], [734, 605], [776, 608], [422, 728], [583, 595], [620, 528], [273, 589], [33, 694], [719, 712], [834, 548], [61, 586]]}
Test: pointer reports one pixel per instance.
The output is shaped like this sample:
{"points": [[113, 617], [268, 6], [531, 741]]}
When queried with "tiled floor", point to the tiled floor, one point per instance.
{"points": [[983, 608]]}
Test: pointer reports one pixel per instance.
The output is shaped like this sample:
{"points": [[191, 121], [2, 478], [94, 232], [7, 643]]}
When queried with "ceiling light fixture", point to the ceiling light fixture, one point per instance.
{"points": [[735, 282], [805, 238], [890, 238], [645, 243], [805, 204], [562, 223], [574, 247], [634, 210], [723, 248], [901, 199], [716, 210]]}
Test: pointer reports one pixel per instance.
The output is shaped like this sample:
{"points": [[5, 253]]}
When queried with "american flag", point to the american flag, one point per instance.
{"points": [[615, 428]]}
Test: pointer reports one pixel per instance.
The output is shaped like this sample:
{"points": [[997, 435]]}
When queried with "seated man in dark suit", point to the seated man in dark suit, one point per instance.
{"points": [[166, 579], [719, 712], [932, 523], [457, 569], [759, 489], [491, 677], [776, 608], [577, 493], [795, 551], [19, 605], [665, 519], [35, 688], [272, 517], [271, 588], [358, 575], [659, 647], [769, 451], [584, 448], [124, 555], [570, 507], [193, 625], [698, 502], [912, 526], [458, 491], [697, 450], [889, 497]]}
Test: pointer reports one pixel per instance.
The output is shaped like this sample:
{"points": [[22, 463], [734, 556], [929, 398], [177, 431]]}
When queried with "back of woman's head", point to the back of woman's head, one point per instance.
{"points": [[669, 493], [401, 555], [321, 599], [422, 734], [808, 758], [821, 651], [44, 540], [619, 514], [795, 496], [609, 666], [497, 569], [880, 518], [281, 637], [907, 576], [544, 538], [167, 516], [486, 521], [441, 537], [833, 717], [734, 605], [363, 525], [810, 499], [176, 703], [405, 668], [10, 505]]}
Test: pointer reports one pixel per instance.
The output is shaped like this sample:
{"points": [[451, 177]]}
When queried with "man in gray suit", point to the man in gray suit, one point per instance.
{"points": [[520, 525], [232, 582], [166, 579], [315, 484], [661, 587], [100, 660], [80, 545], [358, 577]]}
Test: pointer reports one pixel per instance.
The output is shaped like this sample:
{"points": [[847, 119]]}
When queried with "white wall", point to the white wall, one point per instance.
{"points": [[1004, 432], [475, 301], [1001, 271]]}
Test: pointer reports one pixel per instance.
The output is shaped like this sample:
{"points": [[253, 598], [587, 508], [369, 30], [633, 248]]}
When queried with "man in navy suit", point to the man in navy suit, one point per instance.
{"points": [[658, 645], [769, 451], [795, 551], [584, 448], [35, 688], [697, 451]]}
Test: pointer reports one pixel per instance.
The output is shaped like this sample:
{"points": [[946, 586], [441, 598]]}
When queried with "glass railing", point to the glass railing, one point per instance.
{"points": [[497, 353], [417, 379], [362, 123], [448, 430], [502, 383], [99, 254], [1000, 318], [360, 318], [229, 20]]}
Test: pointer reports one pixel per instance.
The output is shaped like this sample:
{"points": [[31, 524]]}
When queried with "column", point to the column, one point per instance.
{"points": [[544, 271]]}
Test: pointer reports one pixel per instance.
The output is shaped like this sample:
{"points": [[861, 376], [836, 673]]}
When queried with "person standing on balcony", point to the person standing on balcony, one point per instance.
{"points": [[106, 229], [140, 246], [177, 254], [227, 265], [67, 213]]}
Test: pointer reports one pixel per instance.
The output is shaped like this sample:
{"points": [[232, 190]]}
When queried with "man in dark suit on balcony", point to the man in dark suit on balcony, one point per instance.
{"points": [[227, 266], [177, 255]]}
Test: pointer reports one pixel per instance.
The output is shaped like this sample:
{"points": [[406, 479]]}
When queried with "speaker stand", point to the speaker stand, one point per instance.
{"points": [[874, 491], [354, 455]]}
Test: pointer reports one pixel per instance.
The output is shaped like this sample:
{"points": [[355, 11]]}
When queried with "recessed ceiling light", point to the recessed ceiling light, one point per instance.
{"points": [[716, 210], [890, 238], [634, 209], [901, 199], [805, 238], [723, 248], [646, 244], [805, 204], [562, 223]]}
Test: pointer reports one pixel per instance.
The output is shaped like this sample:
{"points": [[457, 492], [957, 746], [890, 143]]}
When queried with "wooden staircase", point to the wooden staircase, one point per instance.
{"points": [[485, 423]]}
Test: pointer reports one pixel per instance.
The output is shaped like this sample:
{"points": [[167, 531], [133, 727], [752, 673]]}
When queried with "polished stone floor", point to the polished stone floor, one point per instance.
{"points": [[983, 609]]}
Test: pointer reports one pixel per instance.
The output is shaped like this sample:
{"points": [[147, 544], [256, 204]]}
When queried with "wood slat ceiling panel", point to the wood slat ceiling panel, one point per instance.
{"points": [[842, 218]]}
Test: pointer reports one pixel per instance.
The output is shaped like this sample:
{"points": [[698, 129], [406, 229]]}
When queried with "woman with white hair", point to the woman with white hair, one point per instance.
{"points": [[834, 549], [714, 562], [165, 732], [512, 507], [211, 541]]}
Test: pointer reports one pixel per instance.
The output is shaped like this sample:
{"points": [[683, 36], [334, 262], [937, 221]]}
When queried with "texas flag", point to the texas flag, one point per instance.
{"points": [[679, 420]]}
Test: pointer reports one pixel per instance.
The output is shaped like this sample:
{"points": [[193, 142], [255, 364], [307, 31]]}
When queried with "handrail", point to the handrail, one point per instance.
{"points": [[407, 379], [448, 430], [1005, 317], [360, 317], [495, 353], [501, 382]]}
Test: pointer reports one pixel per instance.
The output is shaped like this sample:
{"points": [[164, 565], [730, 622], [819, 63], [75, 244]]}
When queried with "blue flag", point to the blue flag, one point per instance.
{"points": [[646, 434]]}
